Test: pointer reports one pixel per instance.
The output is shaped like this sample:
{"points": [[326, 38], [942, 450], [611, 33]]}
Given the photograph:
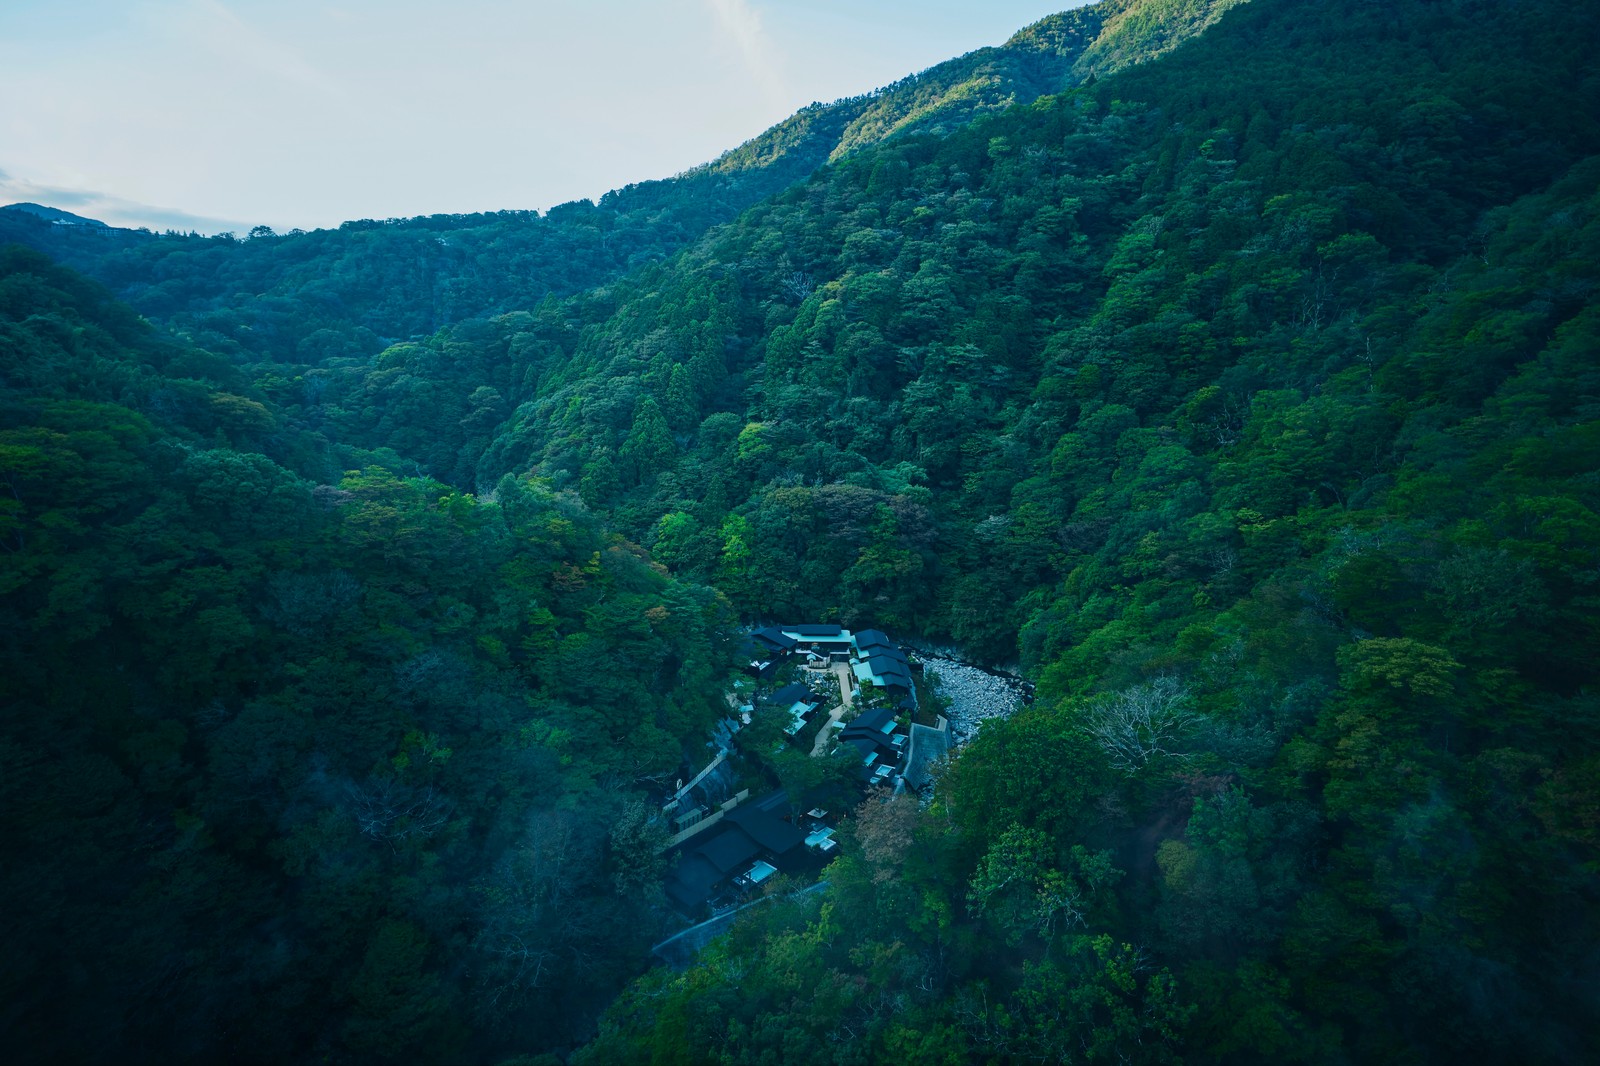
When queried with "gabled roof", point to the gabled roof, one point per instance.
{"points": [[874, 751], [792, 694], [888, 660], [871, 721], [873, 735], [829, 635], [727, 849], [873, 638], [865, 746], [766, 828], [890, 670], [774, 802], [815, 630], [692, 882], [775, 639]]}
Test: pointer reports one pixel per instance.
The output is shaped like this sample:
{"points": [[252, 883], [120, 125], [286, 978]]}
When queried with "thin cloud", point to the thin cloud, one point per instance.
{"points": [[213, 26], [741, 25], [112, 210]]}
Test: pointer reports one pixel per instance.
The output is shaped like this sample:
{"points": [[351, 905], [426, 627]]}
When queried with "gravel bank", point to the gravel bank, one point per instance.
{"points": [[975, 695]]}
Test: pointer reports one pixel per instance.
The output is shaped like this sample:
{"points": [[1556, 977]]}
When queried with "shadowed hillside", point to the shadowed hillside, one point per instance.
{"points": [[367, 590]]}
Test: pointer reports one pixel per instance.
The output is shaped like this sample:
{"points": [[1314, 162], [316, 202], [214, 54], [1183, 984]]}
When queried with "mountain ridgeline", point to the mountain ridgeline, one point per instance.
{"points": [[331, 294], [1230, 368]]}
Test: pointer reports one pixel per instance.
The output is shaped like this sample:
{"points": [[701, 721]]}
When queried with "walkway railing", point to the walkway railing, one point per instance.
{"points": [[680, 948], [677, 797], [708, 821]]}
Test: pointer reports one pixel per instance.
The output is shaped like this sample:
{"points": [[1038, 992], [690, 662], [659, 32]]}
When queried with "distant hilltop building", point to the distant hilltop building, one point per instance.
{"points": [[54, 215]]}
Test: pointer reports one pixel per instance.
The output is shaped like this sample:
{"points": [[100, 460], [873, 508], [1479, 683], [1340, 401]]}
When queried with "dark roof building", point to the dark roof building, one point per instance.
{"points": [[704, 870], [891, 658], [725, 851], [774, 640], [693, 883], [878, 760], [755, 834], [874, 735], [876, 721], [759, 657], [826, 636], [799, 701], [789, 695], [890, 671], [865, 746], [814, 631], [880, 662], [762, 821], [869, 639]]}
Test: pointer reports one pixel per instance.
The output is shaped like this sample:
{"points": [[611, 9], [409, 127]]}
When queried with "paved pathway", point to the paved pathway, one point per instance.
{"points": [[842, 671], [679, 950]]}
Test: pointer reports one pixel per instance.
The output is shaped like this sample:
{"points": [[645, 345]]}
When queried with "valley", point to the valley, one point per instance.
{"points": [[1168, 444]]}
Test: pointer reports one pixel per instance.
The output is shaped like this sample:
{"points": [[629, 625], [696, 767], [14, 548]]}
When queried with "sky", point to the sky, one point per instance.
{"points": [[219, 115]]}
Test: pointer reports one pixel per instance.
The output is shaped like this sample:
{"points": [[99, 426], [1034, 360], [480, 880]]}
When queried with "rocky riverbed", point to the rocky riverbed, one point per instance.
{"points": [[975, 695]]}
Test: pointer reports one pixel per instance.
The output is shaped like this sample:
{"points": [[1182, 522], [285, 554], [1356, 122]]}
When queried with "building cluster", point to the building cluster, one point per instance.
{"points": [[872, 656], [758, 839], [801, 703], [880, 741], [748, 846]]}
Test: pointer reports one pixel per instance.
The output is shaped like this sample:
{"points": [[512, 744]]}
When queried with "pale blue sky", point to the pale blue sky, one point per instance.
{"points": [[225, 114]]}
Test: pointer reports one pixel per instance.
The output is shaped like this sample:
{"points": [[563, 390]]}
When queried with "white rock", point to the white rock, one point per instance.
{"points": [[975, 695]]}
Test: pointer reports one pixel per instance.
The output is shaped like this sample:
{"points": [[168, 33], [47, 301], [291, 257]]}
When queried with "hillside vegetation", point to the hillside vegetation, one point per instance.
{"points": [[297, 758], [1242, 391], [332, 295]]}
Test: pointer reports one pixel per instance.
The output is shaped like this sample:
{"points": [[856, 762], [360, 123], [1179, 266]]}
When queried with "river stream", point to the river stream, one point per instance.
{"points": [[975, 695]]}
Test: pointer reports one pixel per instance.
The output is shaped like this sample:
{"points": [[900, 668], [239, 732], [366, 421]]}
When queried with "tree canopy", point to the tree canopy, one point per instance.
{"points": [[1236, 381]]}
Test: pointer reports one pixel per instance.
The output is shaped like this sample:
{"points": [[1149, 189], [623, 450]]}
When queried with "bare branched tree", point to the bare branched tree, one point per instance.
{"points": [[1059, 906], [390, 811], [521, 965], [796, 284], [1143, 724], [538, 926]]}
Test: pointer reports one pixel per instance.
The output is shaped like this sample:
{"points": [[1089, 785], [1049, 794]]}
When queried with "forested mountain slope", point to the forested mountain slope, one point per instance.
{"points": [[334, 295], [974, 322], [296, 761], [1253, 391], [1248, 398]]}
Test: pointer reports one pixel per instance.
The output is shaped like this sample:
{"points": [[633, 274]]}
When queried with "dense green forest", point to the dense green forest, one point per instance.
{"points": [[285, 741], [333, 297], [1245, 394]]}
